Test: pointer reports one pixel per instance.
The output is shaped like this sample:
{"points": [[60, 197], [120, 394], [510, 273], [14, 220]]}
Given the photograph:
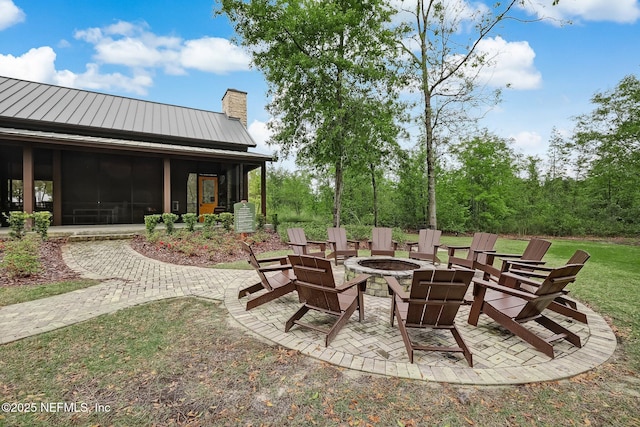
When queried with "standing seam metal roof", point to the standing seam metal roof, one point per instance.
{"points": [[66, 108]]}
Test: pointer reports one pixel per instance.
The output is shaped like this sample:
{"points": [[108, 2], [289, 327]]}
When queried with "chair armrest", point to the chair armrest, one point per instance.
{"points": [[315, 242], [504, 289], [361, 278], [412, 244], [517, 278], [395, 288], [295, 244], [452, 249], [272, 259], [275, 267]]}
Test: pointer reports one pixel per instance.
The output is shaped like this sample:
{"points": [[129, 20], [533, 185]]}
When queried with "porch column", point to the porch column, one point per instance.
{"points": [[263, 189], [28, 195], [57, 188], [166, 195]]}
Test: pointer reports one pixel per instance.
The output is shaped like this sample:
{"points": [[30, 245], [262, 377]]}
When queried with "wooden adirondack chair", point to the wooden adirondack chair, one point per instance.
{"points": [[339, 245], [301, 246], [426, 248], [382, 242], [276, 280], [560, 304], [432, 302], [480, 245], [533, 253], [318, 291], [511, 307]]}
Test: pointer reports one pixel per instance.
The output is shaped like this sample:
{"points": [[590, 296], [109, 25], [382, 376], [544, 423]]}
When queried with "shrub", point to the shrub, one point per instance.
{"points": [[226, 218], [41, 222], [190, 220], [151, 222], [17, 223], [169, 219], [21, 258], [260, 221], [210, 220], [275, 222]]}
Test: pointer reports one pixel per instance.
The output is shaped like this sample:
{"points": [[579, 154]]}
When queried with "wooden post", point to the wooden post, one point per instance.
{"points": [[166, 196], [28, 195]]}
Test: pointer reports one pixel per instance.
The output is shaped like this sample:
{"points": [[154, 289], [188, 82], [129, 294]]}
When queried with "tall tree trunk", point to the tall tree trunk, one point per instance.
{"points": [[375, 194]]}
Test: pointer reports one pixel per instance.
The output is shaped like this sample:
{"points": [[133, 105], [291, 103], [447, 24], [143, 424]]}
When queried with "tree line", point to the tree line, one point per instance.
{"points": [[586, 184], [346, 81]]}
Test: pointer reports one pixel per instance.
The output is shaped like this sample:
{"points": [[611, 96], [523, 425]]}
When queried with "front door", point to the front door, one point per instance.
{"points": [[208, 194]]}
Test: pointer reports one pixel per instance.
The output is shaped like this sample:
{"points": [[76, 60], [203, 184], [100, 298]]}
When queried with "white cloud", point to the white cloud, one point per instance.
{"points": [[10, 14], [529, 143], [132, 45], [260, 133], [511, 64], [621, 11], [214, 55], [38, 64]]}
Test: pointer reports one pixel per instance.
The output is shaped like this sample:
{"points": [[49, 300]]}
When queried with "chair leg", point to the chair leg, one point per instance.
{"points": [[405, 336], [568, 311], [342, 320], [559, 329], [519, 330], [250, 290], [296, 316], [270, 296], [463, 346], [477, 305]]}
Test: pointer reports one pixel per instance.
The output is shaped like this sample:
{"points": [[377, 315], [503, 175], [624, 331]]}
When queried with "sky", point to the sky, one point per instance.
{"points": [[177, 52]]}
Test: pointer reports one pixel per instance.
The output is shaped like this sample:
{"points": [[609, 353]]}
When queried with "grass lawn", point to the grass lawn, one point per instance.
{"points": [[181, 362]]}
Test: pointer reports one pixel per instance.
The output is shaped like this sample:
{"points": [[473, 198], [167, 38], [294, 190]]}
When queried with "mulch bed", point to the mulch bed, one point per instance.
{"points": [[55, 270], [53, 267]]}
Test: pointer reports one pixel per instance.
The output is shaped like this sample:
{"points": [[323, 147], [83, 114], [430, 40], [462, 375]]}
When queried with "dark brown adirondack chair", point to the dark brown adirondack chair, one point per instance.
{"points": [[301, 246], [533, 254], [318, 291], [382, 243], [426, 248], [476, 252], [511, 307], [339, 245], [432, 302], [561, 304], [276, 280]]}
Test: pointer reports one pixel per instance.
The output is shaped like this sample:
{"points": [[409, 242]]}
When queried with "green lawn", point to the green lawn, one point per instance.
{"points": [[180, 362]]}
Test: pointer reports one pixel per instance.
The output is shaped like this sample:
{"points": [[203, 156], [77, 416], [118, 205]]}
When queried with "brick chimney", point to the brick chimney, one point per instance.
{"points": [[234, 104]]}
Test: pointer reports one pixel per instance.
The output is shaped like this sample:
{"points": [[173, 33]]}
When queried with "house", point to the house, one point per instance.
{"points": [[92, 158]]}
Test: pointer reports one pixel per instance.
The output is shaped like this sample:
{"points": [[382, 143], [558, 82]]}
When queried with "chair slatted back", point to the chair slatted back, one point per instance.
{"points": [[436, 296], [579, 257], [482, 242], [427, 239], [381, 238], [253, 261], [338, 238], [297, 236], [535, 250], [549, 289], [313, 274]]}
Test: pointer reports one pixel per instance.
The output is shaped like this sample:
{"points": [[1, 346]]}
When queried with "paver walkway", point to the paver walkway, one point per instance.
{"points": [[128, 278]]}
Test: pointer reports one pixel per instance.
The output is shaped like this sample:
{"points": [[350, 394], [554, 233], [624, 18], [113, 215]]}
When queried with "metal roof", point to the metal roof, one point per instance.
{"points": [[31, 105], [129, 145]]}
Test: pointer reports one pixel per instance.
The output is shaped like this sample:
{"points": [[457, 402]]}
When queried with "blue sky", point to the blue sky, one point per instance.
{"points": [[176, 52]]}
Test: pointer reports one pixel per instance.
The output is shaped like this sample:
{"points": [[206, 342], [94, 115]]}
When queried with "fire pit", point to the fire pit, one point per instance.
{"points": [[378, 267]]}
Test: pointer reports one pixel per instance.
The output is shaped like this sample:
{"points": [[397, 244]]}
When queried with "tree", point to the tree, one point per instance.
{"points": [[608, 143], [323, 62], [445, 68], [488, 175]]}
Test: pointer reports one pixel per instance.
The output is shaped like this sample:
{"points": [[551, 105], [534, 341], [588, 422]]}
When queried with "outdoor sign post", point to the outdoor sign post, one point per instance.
{"points": [[244, 217]]}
